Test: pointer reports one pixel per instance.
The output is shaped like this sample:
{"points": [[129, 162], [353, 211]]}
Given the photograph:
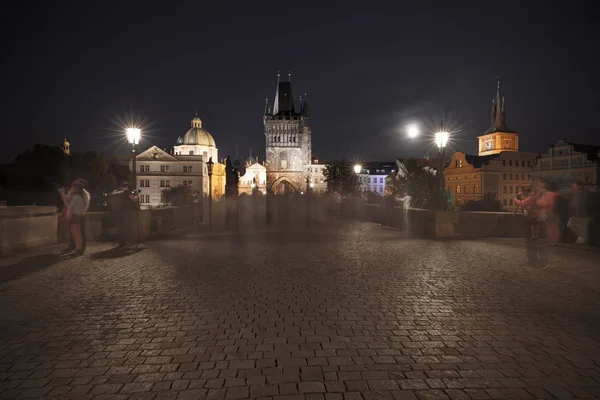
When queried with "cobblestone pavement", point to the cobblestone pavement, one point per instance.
{"points": [[355, 312]]}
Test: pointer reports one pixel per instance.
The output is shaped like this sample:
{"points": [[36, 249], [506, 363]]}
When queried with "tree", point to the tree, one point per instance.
{"points": [[418, 182], [178, 195], [340, 177], [487, 203], [34, 175]]}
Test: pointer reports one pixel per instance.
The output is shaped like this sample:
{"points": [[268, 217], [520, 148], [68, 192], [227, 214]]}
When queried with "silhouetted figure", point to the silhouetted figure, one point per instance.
{"points": [[579, 213]]}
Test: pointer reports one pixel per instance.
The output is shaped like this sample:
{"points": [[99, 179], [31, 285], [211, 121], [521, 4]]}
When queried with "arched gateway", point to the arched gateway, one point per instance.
{"points": [[283, 185]]}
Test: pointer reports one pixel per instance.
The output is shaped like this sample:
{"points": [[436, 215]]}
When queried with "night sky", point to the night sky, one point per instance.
{"points": [[368, 69]]}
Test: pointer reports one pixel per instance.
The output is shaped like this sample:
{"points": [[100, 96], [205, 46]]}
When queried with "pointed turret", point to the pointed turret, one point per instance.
{"points": [[498, 116], [305, 107], [266, 106], [284, 102]]}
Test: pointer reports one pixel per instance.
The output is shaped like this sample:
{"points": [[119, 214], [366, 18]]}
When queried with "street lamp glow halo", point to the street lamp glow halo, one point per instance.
{"points": [[133, 135], [441, 139], [357, 168]]}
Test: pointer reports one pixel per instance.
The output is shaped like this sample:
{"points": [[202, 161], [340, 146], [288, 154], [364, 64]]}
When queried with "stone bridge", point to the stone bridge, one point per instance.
{"points": [[347, 311]]}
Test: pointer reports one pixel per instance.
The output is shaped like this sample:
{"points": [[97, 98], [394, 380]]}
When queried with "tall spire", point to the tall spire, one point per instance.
{"points": [[498, 116], [266, 106], [284, 102]]}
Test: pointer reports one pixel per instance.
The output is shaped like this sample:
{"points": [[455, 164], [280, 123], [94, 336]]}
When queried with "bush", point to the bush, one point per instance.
{"points": [[488, 203]]}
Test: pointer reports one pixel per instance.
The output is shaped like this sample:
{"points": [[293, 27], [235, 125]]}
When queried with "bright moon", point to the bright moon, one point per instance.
{"points": [[413, 131]]}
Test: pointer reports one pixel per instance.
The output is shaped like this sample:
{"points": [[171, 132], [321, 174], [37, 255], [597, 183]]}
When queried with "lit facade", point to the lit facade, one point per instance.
{"points": [[255, 173], [567, 163], [288, 142], [316, 176], [373, 175], [501, 175], [158, 170]]}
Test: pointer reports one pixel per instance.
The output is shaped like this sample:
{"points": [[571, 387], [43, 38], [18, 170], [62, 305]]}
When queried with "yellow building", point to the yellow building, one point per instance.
{"points": [[498, 137], [218, 180], [499, 170], [502, 176]]}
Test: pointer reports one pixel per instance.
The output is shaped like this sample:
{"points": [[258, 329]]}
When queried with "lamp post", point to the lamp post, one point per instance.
{"points": [[357, 171], [441, 139], [209, 166], [133, 137]]}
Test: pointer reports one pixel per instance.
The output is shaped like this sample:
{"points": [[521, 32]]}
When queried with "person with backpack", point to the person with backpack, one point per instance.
{"points": [[551, 203], [579, 216]]}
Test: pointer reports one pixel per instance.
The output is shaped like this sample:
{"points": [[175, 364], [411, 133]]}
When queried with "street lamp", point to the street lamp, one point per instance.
{"points": [[357, 168], [133, 137], [209, 166], [441, 140]]}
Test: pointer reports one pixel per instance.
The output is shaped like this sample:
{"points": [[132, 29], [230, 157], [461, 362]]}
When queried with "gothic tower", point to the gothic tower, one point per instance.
{"points": [[288, 141], [498, 137]]}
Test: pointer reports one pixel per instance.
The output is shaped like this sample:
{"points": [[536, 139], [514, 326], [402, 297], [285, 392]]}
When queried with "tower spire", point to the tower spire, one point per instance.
{"points": [[284, 102], [498, 114]]}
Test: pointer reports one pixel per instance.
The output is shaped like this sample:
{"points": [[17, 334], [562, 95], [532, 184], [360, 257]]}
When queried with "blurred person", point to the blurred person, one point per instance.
{"points": [[77, 201], [550, 203], [579, 218], [528, 201]]}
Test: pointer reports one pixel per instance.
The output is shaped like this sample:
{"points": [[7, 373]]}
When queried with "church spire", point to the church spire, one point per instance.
{"points": [[498, 116]]}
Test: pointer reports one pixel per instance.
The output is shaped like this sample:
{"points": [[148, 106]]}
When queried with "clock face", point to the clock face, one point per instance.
{"points": [[488, 145], [507, 144]]}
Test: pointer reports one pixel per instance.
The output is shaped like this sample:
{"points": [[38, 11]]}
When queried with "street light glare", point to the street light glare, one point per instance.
{"points": [[413, 131], [133, 135], [441, 139], [357, 168]]}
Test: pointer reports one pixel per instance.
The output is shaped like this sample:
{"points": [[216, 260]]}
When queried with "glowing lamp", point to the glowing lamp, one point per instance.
{"points": [[357, 168], [441, 139], [133, 135]]}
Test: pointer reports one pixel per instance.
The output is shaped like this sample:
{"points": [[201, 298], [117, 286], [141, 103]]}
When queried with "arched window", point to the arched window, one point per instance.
{"points": [[457, 189], [475, 188], [466, 189]]}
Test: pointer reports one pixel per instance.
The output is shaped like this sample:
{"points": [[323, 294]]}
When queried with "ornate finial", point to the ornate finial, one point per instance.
{"points": [[236, 152], [290, 75], [196, 113], [498, 82], [278, 76]]}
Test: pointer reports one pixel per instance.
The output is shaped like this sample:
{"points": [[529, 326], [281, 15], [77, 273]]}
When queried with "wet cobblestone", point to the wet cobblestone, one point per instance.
{"points": [[355, 312]]}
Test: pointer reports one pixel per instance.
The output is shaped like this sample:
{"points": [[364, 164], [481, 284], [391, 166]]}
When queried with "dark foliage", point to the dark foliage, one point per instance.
{"points": [[487, 203], [341, 178], [418, 182]]}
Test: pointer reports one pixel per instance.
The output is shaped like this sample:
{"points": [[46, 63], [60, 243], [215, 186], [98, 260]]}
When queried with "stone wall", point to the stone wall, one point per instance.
{"points": [[442, 224], [22, 228]]}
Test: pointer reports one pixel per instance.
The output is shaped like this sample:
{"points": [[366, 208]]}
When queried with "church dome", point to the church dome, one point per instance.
{"points": [[196, 135], [65, 143]]}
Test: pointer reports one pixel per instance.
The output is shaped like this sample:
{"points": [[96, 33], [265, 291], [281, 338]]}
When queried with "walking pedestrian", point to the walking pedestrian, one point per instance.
{"points": [[579, 218], [533, 213], [77, 200], [550, 203]]}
